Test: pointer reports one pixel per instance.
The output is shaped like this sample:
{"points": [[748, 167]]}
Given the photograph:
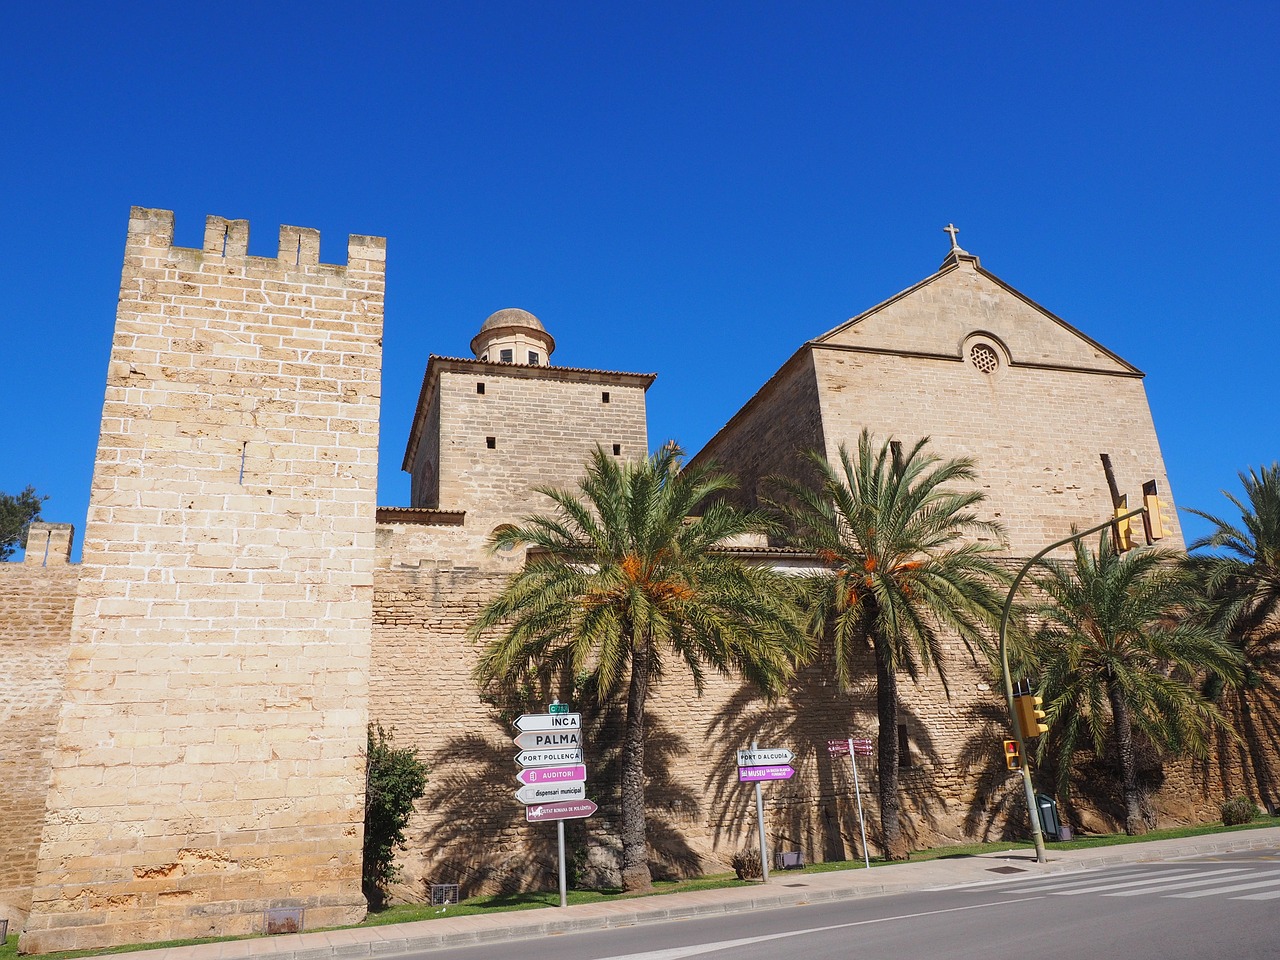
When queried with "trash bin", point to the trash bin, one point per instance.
{"points": [[788, 860], [1050, 825]]}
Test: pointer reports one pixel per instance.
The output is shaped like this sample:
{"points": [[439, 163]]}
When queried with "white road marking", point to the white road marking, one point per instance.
{"points": [[1146, 881], [1233, 889], [1005, 881], [1269, 895], [677, 953], [1161, 888]]}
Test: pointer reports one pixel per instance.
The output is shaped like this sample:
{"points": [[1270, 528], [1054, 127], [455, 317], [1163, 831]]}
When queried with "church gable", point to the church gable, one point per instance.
{"points": [[963, 304]]}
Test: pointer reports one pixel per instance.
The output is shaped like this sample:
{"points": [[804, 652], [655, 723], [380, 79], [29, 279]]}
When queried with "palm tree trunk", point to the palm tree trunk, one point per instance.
{"points": [[1123, 730], [887, 759], [635, 848]]}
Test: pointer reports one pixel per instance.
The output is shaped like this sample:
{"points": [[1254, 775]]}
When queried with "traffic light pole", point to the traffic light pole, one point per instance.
{"points": [[1036, 835]]}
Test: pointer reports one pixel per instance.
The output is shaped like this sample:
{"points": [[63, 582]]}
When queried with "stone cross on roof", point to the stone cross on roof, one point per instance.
{"points": [[952, 229]]}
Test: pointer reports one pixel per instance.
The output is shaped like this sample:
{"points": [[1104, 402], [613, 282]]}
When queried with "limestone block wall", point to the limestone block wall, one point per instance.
{"points": [[209, 759], [771, 434], [470, 829], [1037, 435], [36, 601]]}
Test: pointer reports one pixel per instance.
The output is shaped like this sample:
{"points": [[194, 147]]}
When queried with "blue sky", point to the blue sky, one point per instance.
{"points": [[687, 189]]}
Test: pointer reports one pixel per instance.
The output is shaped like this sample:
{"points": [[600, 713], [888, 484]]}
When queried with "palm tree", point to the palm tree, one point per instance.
{"points": [[626, 574], [1118, 654], [1241, 582], [903, 570]]}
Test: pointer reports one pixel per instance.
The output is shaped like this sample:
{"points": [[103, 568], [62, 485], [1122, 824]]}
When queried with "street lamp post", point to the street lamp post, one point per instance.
{"points": [[1036, 835]]}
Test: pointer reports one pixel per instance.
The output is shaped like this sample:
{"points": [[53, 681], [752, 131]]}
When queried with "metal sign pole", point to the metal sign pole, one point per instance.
{"points": [[564, 896], [764, 851], [857, 792]]}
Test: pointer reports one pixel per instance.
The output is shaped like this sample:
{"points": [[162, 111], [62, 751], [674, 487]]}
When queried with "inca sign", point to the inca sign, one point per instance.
{"points": [[549, 721]]}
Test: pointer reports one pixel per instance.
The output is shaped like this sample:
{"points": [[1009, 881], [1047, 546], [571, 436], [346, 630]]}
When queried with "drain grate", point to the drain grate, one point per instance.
{"points": [[1005, 870]]}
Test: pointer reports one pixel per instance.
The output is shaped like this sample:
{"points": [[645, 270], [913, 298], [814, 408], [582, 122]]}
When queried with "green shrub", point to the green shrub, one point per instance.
{"points": [[394, 779], [1238, 810], [746, 864]]}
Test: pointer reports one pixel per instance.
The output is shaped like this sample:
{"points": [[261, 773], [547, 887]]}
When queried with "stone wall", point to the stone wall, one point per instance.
{"points": [[1037, 435], [469, 829], [36, 601], [209, 760], [771, 434]]}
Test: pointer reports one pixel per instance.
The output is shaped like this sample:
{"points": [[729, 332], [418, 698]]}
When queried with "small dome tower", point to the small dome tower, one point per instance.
{"points": [[513, 336]]}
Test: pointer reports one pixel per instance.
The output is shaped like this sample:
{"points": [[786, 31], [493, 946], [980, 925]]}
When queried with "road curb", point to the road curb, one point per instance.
{"points": [[831, 887]]}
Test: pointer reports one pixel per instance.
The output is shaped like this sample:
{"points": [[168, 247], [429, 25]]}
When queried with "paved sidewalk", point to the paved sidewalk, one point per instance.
{"points": [[784, 889]]}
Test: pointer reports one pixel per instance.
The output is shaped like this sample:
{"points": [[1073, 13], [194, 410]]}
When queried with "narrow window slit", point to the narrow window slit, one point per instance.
{"points": [[480, 388], [617, 449], [604, 396], [491, 442]]}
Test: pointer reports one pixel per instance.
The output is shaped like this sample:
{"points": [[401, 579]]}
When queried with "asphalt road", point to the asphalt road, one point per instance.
{"points": [[1198, 909]]}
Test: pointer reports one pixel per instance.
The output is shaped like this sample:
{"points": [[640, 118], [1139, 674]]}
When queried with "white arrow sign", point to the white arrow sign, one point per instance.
{"points": [[549, 792], [763, 756], [549, 721], [549, 758], [562, 739]]}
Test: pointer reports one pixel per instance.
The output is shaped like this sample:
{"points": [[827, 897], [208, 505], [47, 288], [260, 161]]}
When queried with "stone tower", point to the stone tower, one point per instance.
{"points": [[485, 434], [209, 754], [489, 430]]}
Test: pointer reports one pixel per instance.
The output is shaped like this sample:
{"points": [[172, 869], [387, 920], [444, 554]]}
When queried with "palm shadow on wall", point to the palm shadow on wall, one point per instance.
{"points": [[1248, 765], [998, 808], [997, 805], [816, 810], [480, 838]]}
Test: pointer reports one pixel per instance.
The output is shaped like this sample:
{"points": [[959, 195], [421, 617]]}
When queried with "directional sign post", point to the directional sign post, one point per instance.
{"points": [[547, 739], [571, 774], [561, 810], [554, 778], [549, 721], [756, 757], [859, 748], [549, 758], [549, 792], [756, 774], [756, 765]]}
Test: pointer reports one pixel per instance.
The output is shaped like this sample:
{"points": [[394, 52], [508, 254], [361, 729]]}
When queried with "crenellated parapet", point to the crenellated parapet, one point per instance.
{"points": [[228, 241]]}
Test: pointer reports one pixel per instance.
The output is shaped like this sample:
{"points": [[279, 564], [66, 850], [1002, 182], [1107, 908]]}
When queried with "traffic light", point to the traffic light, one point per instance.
{"points": [[1151, 512], [1123, 529], [1012, 755], [1030, 717]]}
